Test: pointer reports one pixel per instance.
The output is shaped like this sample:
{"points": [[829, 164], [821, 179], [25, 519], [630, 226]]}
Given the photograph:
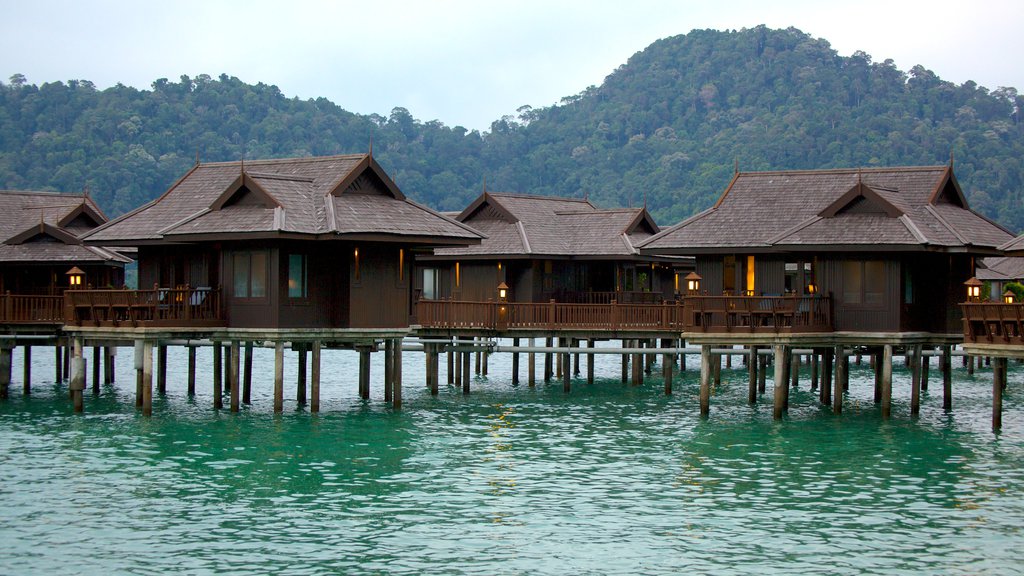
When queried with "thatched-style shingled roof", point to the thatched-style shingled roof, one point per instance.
{"points": [[523, 226], [1001, 268], [43, 227], [320, 198], [901, 209]]}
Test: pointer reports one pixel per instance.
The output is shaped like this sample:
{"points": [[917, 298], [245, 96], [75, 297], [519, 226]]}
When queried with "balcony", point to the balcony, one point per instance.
{"points": [[160, 307], [758, 314], [993, 323], [31, 309]]}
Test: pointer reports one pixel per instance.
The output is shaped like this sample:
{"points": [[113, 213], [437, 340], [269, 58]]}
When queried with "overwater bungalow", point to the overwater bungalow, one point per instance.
{"points": [[831, 260], [550, 248], [304, 250], [41, 254]]}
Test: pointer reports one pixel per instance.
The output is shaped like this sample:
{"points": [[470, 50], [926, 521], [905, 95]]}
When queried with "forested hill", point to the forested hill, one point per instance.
{"points": [[670, 125]]}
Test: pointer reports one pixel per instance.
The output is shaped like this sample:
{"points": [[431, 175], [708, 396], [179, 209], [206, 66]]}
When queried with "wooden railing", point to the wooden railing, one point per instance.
{"points": [[758, 314], [23, 309], [993, 322], [549, 316], [622, 297], [185, 307]]}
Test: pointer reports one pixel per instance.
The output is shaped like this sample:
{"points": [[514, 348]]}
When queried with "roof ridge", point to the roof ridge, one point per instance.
{"points": [[854, 171], [303, 159], [794, 229], [931, 210], [79, 195], [522, 236], [538, 197], [914, 230]]}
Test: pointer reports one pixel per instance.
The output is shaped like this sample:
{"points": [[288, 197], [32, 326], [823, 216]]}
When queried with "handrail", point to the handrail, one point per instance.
{"points": [[31, 309], [993, 322], [159, 306]]}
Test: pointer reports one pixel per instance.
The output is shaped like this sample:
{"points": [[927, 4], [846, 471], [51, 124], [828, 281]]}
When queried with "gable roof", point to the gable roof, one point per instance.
{"points": [[315, 198], [1014, 247], [903, 208], [41, 227], [520, 225], [1001, 268]]}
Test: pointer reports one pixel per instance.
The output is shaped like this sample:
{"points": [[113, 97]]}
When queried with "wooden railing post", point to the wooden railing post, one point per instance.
{"points": [[615, 315], [551, 314]]}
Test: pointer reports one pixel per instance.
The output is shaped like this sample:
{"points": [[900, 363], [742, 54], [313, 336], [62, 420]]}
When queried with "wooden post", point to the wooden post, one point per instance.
{"points": [[300, 381], [845, 359], [485, 357], [752, 375], [161, 368], [477, 362], [827, 359], [649, 358], [970, 365], [716, 367], [108, 364], [364, 372], [682, 357], [887, 381], [314, 379], [947, 377], [279, 377], [794, 370], [638, 366], [68, 351], [247, 374], [566, 373], [762, 373], [147, 378], [915, 380], [58, 363], [389, 367], [139, 349], [233, 375], [515, 363], [26, 371], [191, 371], [547, 361], [925, 362], [705, 380], [781, 386], [465, 372], [841, 371], [625, 362], [876, 363], [998, 383], [531, 362], [668, 361], [396, 376], [590, 362], [95, 369], [218, 373], [576, 359], [452, 372], [458, 364], [76, 383], [814, 369]]}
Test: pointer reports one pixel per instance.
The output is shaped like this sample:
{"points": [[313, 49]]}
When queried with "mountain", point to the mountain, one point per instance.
{"points": [[667, 128]]}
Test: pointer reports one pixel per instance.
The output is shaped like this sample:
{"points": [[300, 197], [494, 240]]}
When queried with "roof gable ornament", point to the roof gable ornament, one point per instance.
{"points": [[366, 177], [861, 199], [42, 229], [244, 189]]}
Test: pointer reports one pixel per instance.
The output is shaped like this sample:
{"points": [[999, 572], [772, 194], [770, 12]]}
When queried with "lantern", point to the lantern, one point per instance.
{"points": [[973, 289], [75, 277]]}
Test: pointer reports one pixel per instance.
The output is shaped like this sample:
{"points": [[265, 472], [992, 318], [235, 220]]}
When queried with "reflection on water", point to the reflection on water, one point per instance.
{"points": [[510, 479]]}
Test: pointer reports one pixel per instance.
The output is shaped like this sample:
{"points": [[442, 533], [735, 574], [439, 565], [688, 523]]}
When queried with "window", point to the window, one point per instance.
{"points": [[430, 283], [729, 275], [864, 282], [297, 276], [250, 274], [750, 276]]}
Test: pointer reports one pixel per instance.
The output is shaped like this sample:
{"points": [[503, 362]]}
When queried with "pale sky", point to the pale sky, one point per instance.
{"points": [[467, 62]]}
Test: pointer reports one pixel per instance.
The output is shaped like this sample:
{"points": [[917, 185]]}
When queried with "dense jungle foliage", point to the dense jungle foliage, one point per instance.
{"points": [[670, 125]]}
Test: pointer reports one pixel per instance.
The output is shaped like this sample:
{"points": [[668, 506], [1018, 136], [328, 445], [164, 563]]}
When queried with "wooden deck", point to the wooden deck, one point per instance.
{"points": [[159, 307], [699, 314]]}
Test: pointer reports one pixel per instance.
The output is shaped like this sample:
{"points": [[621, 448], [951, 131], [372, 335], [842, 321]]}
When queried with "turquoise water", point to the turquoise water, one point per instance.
{"points": [[610, 479]]}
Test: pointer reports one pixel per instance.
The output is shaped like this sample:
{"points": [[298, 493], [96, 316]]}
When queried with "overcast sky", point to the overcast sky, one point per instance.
{"points": [[467, 62]]}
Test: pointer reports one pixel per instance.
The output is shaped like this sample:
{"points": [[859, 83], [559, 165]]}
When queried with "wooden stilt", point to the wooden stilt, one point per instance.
{"points": [[364, 372], [68, 350], [434, 362], [682, 357], [458, 364], [108, 365], [218, 375], [828, 357], [26, 371], [531, 361], [794, 370], [548, 369], [300, 381], [147, 378], [716, 368], [649, 359], [191, 370], [926, 363], [396, 376], [247, 374], [876, 363], [279, 377], [161, 368], [947, 377], [998, 384], [814, 369], [590, 363], [845, 359], [576, 359], [485, 357], [625, 362], [314, 379], [465, 372], [887, 381], [515, 363], [841, 371], [705, 380], [233, 375], [452, 372], [762, 373], [96, 369], [728, 360], [58, 363], [477, 361], [389, 367], [638, 366], [566, 372], [752, 375], [781, 386], [139, 350], [76, 382], [668, 362], [970, 365], [915, 380]]}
